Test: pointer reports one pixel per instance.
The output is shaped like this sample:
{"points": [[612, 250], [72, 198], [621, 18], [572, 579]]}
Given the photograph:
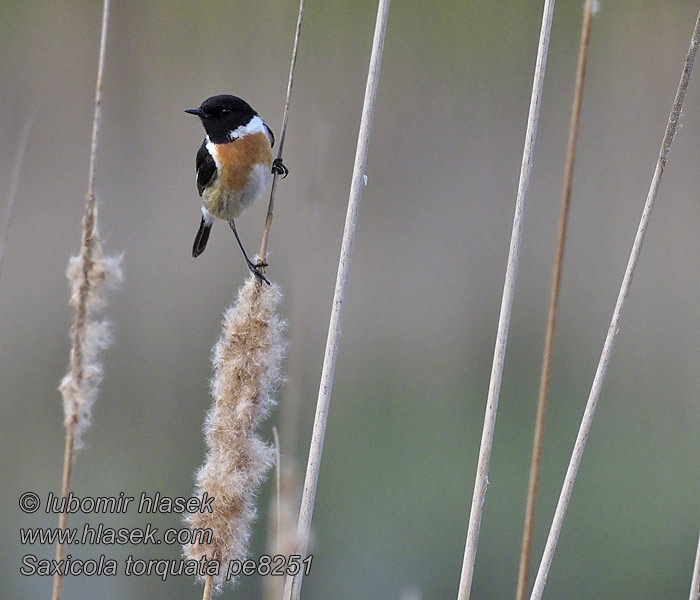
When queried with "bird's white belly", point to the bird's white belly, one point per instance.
{"points": [[227, 204]]}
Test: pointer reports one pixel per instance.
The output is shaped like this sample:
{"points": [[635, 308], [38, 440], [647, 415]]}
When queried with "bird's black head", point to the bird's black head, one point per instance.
{"points": [[223, 114]]}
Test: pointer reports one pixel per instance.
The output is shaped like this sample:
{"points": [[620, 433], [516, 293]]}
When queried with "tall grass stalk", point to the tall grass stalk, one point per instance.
{"points": [[533, 484], [695, 582], [482, 469], [601, 371], [292, 589], [88, 273], [14, 184]]}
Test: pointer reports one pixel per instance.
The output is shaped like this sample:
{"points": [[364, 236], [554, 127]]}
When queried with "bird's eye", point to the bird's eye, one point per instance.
{"points": [[225, 111]]}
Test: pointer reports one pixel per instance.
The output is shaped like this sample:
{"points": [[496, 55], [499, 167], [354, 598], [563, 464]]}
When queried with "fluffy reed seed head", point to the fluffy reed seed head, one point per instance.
{"points": [[88, 278], [247, 369]]}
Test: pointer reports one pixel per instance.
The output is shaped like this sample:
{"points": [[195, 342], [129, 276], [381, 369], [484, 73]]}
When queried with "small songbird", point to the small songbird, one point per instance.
{"points": [[234, 165]]}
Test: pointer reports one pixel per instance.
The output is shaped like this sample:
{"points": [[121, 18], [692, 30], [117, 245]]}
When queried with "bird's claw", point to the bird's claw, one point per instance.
{"points": [[278, 168], [256, 270]]}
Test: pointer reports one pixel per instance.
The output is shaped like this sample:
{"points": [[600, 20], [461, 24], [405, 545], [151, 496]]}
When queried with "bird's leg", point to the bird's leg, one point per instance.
{"points": [[256, 269], [278, 168]]}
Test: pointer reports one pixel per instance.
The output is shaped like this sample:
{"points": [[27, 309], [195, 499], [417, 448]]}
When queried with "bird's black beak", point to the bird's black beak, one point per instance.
{"points": [[197, 112]]}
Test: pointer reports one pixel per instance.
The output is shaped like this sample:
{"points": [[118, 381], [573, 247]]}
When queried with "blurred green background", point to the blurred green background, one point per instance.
{"points": [[405, 421]]}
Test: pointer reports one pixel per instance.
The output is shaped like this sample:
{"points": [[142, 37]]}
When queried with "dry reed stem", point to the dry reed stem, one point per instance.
{"points": [[695, 582], [208, 585], [292, 589], [482, 469], [14, 184], [65, 490], [601, 371], [287, 510], [283, 134], [533, 484], [283, 512], [247, 360], [87, 274], [278, 486]]}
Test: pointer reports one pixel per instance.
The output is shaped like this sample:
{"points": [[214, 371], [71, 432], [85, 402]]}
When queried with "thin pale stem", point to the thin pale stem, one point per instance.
{"points": [[14, 184], [695, 583], [482, 470], [65, 489], [533, 485], [292, 589], [283, 134], [601, 371], [208, 587], [86, 252], [278, 487]]}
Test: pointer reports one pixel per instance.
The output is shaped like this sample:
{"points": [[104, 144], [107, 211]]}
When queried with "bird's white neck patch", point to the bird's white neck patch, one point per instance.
{"points": [[255, 125]]}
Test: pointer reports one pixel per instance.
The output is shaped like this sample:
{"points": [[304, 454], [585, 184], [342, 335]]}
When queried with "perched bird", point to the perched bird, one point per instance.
{"points": [[234, 165]]}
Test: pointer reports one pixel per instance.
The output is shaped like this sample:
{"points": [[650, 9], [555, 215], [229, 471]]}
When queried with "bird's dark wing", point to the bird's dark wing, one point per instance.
{"points": [[206, 167], [270, 135]]}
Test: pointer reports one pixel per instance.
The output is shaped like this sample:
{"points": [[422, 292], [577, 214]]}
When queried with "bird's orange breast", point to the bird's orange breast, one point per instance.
{"points": [[244, 169], [238, 158]]}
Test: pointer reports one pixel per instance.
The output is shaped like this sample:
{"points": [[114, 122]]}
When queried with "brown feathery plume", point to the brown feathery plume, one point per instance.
{"points": [[246, 360], [88, 281], [89, 274]]}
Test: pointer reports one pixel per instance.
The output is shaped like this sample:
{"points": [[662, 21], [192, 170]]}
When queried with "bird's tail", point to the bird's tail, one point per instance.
{"points": [[201, 239]]}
